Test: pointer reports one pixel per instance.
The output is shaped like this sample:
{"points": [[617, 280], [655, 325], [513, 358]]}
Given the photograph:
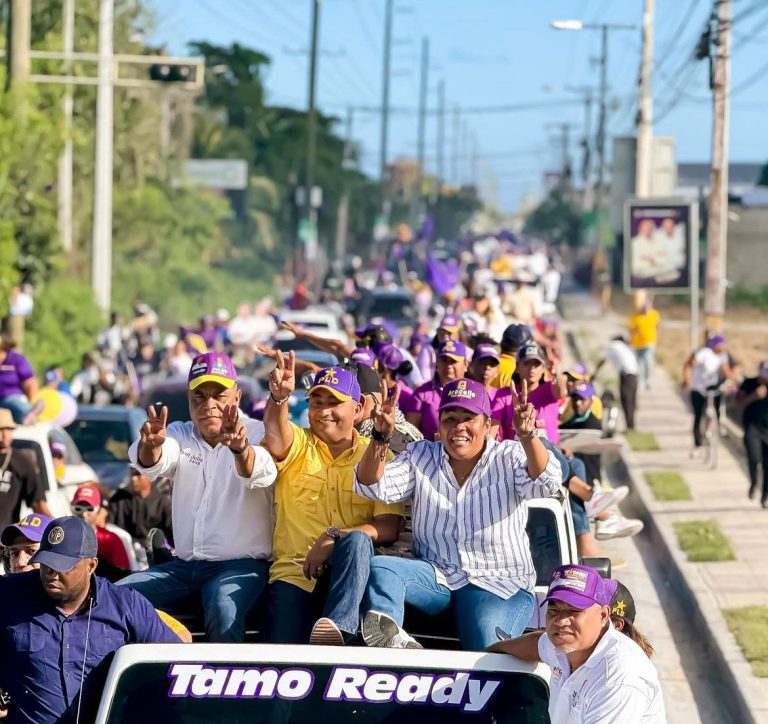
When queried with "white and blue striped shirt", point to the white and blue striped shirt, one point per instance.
{"points": [[473, 533]]}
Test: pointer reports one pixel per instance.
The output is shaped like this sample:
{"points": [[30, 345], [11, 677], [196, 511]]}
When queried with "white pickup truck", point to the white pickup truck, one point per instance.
{"points": [[252, 682]]}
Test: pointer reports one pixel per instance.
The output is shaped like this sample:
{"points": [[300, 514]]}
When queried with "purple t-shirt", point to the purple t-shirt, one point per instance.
{"points": [[407, 402], [426, 401], [14, 370], [547, 411]]}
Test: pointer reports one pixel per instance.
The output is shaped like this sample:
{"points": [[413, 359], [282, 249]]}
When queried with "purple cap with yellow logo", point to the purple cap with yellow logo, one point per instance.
{"points": [[580, 587], [212, 367], [363, 356], [467, 395], [453, 349], [342, 384], [30, 526], [584, 390], [450, 323]]}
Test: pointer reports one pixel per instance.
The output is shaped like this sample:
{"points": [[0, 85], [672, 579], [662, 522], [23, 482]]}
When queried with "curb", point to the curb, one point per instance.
{"points": [[729, 676]]}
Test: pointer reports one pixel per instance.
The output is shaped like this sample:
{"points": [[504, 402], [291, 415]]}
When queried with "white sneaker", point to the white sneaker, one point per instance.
{"points": [[603, 499], [614, 526], [382, 631]]}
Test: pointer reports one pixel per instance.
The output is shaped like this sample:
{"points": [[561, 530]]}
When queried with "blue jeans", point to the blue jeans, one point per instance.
{"points": [[646, 357], [228, 591], [477, 612], [580, 517], [18, 405], [337, 594]]}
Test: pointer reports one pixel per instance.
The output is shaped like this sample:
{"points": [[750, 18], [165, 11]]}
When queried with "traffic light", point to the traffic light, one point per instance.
{"points": [[173, 72]]}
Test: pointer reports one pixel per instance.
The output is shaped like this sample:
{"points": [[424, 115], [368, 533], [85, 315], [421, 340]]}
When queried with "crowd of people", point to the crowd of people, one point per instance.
{"points": [[449, 430]]}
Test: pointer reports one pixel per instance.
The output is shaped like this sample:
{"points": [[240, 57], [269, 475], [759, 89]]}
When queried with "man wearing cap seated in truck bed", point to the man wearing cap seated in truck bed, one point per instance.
{"points": [[222, 503], [469, 516], [324, 533]]}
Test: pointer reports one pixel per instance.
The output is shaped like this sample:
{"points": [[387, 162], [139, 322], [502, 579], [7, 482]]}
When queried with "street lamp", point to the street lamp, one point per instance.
{"points": [[603, 28]]}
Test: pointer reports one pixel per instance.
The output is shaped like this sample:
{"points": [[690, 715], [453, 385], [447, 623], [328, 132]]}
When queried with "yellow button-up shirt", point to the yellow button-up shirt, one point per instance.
{"points": [[313, 492], [507, 367]]}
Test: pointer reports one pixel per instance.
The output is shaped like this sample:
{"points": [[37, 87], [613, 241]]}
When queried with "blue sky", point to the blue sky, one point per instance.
{"points": [[491, 53]]}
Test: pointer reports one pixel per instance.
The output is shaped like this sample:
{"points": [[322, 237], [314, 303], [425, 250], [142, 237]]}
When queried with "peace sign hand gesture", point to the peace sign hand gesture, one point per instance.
{"points": [[383, 414], [524, 420], [282, 381], [154, 431], [233, 433]]}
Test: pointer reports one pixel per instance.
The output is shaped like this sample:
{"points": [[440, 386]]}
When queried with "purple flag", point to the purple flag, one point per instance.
{"points": [[442, 276], [427, 229]]}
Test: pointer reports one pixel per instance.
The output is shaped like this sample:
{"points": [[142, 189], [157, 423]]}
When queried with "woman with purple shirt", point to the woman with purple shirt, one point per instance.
{"points": [[451, 365], [393, 367], [18, 386], [544, 395], [484, 369]]}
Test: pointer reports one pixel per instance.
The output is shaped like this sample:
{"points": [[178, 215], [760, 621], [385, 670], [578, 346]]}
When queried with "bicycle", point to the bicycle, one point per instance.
{"points": [[711, 433]]}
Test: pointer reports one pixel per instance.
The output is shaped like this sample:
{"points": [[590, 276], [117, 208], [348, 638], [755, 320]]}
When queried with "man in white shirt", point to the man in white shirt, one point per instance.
{"points": [[622, 358], [469, 516], [598, 674], [222, 503]]}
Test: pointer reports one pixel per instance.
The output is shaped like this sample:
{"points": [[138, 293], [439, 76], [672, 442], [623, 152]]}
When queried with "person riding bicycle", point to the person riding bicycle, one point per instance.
{"points": [[704, 372]]}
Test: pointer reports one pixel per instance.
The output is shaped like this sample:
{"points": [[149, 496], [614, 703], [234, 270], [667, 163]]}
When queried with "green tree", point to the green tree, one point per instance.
{"points": [[557, 219]]}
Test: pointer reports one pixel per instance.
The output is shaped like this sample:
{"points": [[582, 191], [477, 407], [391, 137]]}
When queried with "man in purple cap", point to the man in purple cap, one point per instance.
{"points": [[706, 369], [426, 361], [21, 541], [424, 407], [598, 674], [222, 504], [62, 624], [469, 516], [324, 533]]}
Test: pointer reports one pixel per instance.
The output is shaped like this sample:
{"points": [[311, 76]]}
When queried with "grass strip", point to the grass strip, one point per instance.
{"points": [[750, 627], [641, 441], [702, 540], [668, 485]]}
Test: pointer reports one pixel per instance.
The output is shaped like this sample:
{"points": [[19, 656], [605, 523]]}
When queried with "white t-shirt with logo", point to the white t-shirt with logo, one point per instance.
{"points": [[706, 369], [617, 683]]}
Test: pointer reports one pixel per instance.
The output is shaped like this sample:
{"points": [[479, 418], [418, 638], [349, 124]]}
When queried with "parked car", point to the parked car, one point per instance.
{"points": [[395, 305], [103, 436], [34, 442], [318, 320]]}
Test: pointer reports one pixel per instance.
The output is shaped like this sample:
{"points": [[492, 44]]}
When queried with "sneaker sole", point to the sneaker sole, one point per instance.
{"points": [[614, 497], [326, 633], [380, 631], [624, 533]]}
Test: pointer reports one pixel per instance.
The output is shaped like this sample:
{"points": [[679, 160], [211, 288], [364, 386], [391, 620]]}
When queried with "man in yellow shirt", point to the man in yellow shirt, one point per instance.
{"points": [[324, 533], [644, 331], [515, 336]]}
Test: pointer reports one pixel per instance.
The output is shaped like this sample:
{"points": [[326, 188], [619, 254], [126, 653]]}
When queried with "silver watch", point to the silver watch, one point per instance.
{"points": [[334, 533]]}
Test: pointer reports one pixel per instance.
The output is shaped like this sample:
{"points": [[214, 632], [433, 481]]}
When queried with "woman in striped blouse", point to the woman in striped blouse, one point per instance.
{"points": [[469, 516]]}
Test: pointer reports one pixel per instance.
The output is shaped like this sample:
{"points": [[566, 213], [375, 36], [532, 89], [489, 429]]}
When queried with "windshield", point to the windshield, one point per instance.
{"points": [[390, 307], [102, 441], [198, 694]]}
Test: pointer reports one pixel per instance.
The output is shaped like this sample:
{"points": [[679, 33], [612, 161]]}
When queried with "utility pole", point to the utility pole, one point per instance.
{"points": [[19, 41], [440, 134], [423, 92], [385, 106], [717, 223], [645, 123], [311, 210], [455, 136], [101, 253], [600, 191], [342, 219], [65, 180]]}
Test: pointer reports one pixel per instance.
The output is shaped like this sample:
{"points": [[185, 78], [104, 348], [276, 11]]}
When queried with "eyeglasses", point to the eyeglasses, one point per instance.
{"points": [[80, 509]]}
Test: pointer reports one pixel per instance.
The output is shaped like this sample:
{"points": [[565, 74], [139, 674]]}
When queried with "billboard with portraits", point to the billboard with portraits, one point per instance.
{"points": [[659, 248]]}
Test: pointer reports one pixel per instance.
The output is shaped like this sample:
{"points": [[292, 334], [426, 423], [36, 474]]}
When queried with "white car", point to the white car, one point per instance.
{"points": [[34, 442], [317, 320]]}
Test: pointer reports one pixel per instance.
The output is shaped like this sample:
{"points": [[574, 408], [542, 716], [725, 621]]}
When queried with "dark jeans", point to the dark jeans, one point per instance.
{"points": [[628, 397], [756, 443], [337, 595], [228, 591], [699, 403]]}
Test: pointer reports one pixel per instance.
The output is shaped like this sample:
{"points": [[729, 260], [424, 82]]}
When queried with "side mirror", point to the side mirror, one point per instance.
{"points": [[601, 565]]}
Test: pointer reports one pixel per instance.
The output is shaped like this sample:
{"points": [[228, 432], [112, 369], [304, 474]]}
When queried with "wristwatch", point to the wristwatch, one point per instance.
{"points": [[334, 534]]}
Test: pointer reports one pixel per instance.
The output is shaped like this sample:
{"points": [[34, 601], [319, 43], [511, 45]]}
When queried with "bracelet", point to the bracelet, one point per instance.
{"points": [[380, 438], [278, 402], [245, 446]]}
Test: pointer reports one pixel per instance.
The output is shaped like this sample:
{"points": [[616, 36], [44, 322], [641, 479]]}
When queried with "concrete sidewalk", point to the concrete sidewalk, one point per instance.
{"points": [[720, 495]]}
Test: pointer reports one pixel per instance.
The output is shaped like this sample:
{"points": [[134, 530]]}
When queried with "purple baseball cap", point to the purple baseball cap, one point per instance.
{"points": [[390, 357], [484, 350], [580, 587], [30, 526], [452, 348], [341, 383], [212, 367], [716, 340], [467, 395], [584, 390], [577, 372], [363, 356], [450, 323]]}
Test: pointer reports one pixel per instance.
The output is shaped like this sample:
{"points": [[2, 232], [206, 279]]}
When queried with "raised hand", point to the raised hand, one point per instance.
{"points": [[233, 433], [383, 415], [282, 381], [524, 420], [291, 327], [154, 431], [265, 351]]}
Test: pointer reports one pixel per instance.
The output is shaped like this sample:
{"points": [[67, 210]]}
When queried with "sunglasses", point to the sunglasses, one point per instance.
{"points": [[80, 509]]}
